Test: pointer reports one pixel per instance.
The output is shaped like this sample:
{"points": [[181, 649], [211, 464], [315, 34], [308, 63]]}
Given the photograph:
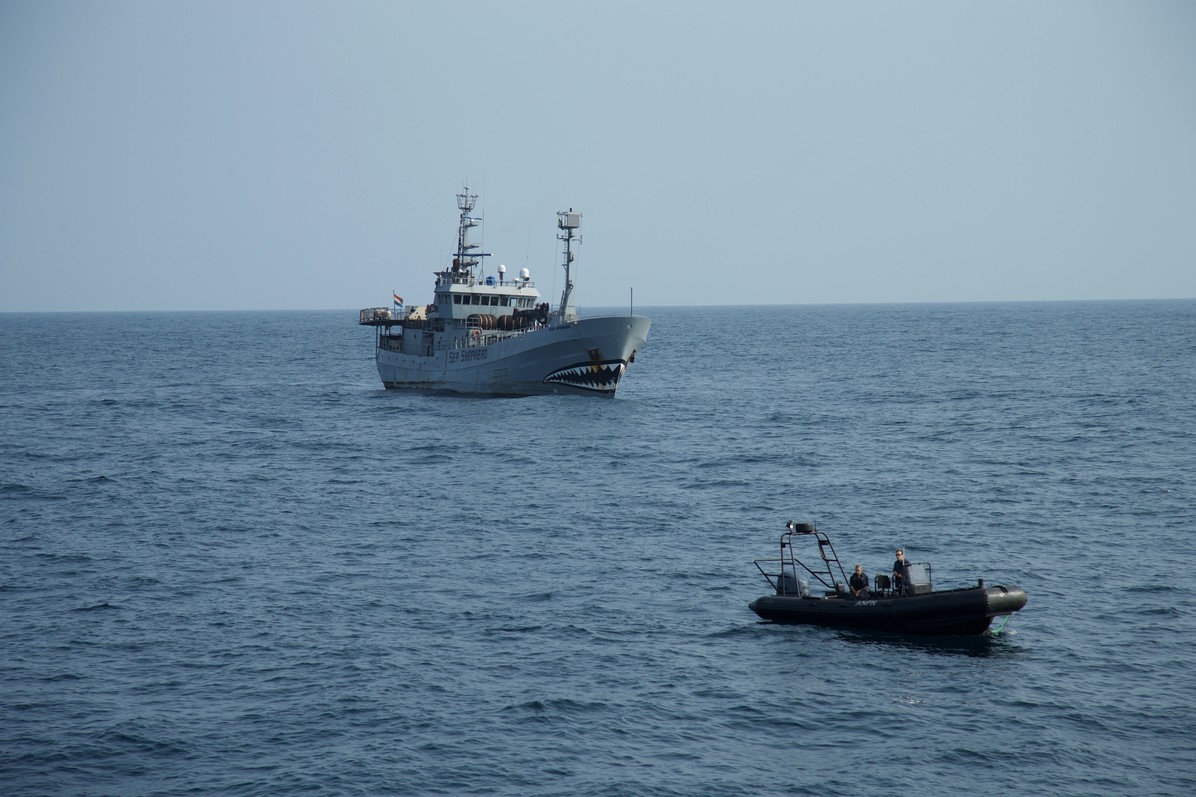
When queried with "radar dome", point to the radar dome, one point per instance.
{"points": [[524, 274]]}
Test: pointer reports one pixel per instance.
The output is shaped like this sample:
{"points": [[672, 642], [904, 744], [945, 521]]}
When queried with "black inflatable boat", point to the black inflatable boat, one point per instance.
{"points": [[914, 608]]}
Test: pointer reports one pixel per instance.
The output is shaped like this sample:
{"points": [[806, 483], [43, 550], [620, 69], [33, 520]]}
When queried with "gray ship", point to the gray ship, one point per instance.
{"points": [[488, 335]]}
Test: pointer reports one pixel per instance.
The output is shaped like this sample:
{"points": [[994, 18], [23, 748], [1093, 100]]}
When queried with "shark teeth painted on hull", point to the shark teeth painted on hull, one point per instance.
{"points": [[601, 376]]}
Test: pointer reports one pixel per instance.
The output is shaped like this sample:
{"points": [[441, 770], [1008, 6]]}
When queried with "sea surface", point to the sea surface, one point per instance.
{"points": [[232, 564]]}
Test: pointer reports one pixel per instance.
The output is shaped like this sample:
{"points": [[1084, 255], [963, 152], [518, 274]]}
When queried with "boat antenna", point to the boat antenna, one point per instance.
{"points": [[567, 222]]}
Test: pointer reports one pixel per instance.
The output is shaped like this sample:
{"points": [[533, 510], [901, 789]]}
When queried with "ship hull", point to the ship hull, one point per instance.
{"points": [[586, 356], [951, 612]]}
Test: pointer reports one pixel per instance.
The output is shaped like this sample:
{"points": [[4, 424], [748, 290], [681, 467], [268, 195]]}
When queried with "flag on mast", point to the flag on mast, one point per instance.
{"points": [[398, 299]]}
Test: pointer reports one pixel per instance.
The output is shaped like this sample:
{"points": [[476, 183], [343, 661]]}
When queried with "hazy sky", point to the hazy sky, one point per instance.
{"points": [[291, 155]]}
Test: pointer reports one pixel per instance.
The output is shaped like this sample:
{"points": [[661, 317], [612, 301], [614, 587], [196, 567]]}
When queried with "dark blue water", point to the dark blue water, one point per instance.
{"points": [[231, 564]]}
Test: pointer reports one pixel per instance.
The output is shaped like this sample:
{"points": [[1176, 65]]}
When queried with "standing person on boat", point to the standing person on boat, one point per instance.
{"points": [[859, 583], [899, 573]]}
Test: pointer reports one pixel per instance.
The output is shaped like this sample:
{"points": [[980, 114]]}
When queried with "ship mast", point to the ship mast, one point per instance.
{"points": [[568, 221], [466, 259]]}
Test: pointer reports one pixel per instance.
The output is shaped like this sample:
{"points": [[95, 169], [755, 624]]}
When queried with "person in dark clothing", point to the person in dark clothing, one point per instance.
{"points": [[859, 583], [899, 573]]}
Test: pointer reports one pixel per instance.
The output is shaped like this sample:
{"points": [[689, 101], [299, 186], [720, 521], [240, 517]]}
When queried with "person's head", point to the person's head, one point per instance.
{"points": [[900, 553], [859, 568]]}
